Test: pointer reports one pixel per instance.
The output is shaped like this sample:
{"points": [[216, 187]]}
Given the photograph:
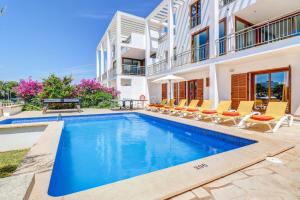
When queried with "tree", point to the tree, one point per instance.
{"points": [[7, 89], [58, 88]]}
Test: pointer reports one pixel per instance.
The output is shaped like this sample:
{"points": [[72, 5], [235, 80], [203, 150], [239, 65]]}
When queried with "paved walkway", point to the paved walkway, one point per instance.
{"points": [[279, 179]]}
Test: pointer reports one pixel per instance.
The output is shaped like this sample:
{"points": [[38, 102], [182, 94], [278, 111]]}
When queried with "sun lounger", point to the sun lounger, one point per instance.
{"points": [[168, 104], [245, 109], [274, 115], [192, 105], [161, 104], [211, 114], [168, 109], [206, 104]]}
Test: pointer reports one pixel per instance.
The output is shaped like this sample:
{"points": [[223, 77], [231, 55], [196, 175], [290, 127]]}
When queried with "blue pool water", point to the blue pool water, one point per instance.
{"points": [[100, 149]]}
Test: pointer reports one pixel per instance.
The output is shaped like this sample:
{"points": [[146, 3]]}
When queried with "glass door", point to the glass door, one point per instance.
{"points": [[192, 90], [200, 44], [245, 37], [272, 86], [222, 37]]}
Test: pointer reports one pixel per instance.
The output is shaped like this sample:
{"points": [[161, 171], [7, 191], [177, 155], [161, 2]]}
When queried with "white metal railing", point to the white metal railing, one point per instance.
{"points": [[223, 3], [104, 76], [192, 56], [260, 34], [112, 73], [157, 67], [133, 70], [127, 40], [163, 37]]}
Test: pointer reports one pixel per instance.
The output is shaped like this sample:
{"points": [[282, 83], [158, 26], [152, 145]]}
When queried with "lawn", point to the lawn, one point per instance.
{"points": [[10, 160]]}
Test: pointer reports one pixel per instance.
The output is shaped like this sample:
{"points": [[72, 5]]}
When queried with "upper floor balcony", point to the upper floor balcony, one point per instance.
{"points": [[134, 70], [195, 55], [225, 2], [260, 34]]}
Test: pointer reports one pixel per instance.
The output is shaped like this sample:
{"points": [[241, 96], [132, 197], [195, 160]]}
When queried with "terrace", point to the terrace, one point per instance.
{"points": [[275, 172]]}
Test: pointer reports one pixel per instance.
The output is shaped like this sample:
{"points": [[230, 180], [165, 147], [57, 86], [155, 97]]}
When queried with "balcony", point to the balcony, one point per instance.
{"points": [[192, 56], [223, 3], [112, 73], [260, 34], [133, 70], [104, 76], [157, 67], [196, 55]]}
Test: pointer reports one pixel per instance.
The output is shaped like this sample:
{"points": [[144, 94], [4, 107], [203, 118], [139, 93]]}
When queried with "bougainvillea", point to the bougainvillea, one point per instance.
{"points": [[92, 86], [28, 89]]}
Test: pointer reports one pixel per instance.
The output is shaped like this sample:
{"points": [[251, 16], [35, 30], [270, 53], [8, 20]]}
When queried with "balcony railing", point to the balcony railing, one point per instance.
{"points": [[269, 32], [157, 67], [225, 2], [195, 20], [192, 56], [112, 73], [104, 76], [162, 38], [196, 55], [133, 70]]}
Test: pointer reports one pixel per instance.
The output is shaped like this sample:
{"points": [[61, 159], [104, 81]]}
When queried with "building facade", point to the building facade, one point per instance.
{"points": [[225, 49]]}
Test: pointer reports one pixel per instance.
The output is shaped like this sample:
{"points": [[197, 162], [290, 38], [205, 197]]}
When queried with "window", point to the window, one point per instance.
{"points": [[166, 55], [200, 45], [125, 82], [270, 86], [222, 37], [175, 53], [195, 14]]}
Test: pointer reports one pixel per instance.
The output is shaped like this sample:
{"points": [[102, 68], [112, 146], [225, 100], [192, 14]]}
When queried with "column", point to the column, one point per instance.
{"points": [[118, 44], [230, 33], [101, 61], [108, 54], [171, 43], [214, 26], [213, 85], [148, 46], [97, 66], [170, 33]]}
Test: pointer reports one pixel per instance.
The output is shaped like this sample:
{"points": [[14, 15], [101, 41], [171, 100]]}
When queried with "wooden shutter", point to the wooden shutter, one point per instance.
{"points": [[239, 89], [164, 90], [182, 90], [199, 91], [175, 92]]}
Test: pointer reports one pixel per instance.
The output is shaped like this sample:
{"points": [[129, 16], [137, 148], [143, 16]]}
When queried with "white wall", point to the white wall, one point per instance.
{"points": [[270, 61], [134, 91], [154, 92]]}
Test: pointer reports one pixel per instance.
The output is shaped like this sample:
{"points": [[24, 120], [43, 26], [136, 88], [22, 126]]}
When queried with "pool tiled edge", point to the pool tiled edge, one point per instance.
{"points": [[177, 179]]}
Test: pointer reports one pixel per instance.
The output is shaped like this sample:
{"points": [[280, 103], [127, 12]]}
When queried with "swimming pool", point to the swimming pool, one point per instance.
{"points": [[96, 150]]}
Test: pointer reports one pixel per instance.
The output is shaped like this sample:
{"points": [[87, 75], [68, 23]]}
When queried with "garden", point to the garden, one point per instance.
{"points": [[91, 93]]}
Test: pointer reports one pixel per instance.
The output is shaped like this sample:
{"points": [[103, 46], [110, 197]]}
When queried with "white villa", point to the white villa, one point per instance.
{"points": [[225, 49]]}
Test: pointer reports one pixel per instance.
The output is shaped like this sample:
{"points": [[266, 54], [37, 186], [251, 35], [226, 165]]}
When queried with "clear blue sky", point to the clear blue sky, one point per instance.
{"points": [[39, 37]]}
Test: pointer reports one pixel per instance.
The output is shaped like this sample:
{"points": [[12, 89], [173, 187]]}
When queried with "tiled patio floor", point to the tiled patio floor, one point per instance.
{"points": [[265, 180]]}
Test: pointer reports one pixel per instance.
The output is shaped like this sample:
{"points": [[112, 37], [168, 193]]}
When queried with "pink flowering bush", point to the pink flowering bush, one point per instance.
{"points": [[94, 94], [89, 91], [28, 89], [92, 86]]}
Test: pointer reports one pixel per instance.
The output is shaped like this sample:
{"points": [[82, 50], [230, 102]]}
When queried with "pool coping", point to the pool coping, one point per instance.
{"points": [[159, 184]]}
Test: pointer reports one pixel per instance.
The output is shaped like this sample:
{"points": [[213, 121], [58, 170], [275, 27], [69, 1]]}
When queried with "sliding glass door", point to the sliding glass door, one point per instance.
{"points": [[271, 86]]}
